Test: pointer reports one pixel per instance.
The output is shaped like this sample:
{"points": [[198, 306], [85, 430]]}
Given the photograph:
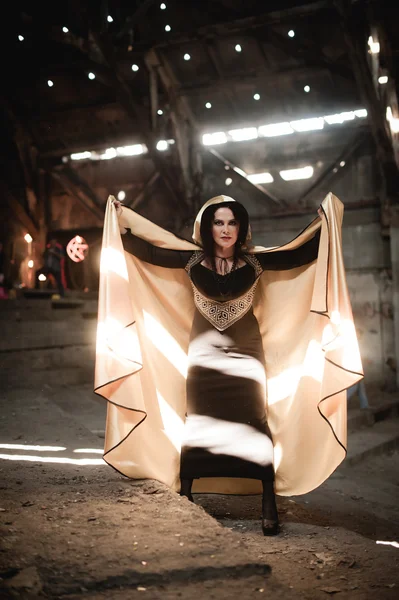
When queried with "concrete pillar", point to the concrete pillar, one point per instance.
{"points": [[394, 236]]}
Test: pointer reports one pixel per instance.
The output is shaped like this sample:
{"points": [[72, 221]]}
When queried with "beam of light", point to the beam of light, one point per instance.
{"points": [[27, 447], [283, 385], [393, 121], [226, 437], [275, 129], [123, 340], [165, 343], [80, 155], [89, 451], [113, 261], [132, 150], [361, 113], [55, 460], [312, 124], [293, 174], [340, 117], [212, 139], [240, 172], [278, 455], [260, 178], [240, 135], [313, 364], [394, 544], [173, 424]]}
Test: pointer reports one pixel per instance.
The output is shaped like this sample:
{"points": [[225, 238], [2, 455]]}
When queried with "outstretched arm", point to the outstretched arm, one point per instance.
{"points": [[173, 259], [289, 259]]}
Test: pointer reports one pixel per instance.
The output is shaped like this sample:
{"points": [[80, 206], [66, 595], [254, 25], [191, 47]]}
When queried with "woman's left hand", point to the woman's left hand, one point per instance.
{"points": [[320, 212]]}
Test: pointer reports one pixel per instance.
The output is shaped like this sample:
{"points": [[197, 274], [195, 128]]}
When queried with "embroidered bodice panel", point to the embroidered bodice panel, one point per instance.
{"points": [[223, 288], [223, 300]]}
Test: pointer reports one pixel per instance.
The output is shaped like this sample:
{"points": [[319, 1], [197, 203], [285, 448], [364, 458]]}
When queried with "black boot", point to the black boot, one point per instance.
{"points": [[270, 524], [185, 488]]}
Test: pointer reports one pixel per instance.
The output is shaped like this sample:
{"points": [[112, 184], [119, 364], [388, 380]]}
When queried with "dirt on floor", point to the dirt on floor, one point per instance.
{"points": [[74, 530]]}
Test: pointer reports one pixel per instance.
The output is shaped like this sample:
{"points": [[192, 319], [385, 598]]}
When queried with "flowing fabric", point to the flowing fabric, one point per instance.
{"points": [[310, 350]]}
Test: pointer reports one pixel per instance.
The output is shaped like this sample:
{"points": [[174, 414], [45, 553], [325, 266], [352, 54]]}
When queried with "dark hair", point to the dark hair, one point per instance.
{"points": [[239, 212]]}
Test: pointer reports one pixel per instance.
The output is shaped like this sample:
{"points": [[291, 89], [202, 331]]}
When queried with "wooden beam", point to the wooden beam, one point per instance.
{"points": [[141, 195], [135, 111], [331, 171], [234, 26], [237, 170], [75, 192], [244, 78]]}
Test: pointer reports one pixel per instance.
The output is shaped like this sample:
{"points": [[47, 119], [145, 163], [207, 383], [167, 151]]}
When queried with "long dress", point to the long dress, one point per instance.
{"points": [[226, 433]]}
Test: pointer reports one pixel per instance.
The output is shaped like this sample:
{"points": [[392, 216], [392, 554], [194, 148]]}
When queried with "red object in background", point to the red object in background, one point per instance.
{"points": [[77, 249]]}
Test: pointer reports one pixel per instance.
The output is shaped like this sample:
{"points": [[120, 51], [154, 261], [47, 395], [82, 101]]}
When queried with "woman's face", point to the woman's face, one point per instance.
{"points": [[225, 228]]}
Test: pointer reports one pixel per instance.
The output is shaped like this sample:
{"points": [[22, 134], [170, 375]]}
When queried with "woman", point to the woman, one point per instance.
{"points": [[226, 432]]}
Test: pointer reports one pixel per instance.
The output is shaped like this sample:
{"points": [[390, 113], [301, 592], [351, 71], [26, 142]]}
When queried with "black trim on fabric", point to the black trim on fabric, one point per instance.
{"points": [[322, 313], [121, 405]]}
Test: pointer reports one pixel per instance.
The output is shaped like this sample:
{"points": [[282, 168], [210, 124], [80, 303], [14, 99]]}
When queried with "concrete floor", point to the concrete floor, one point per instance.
{"points": [[71, 527]]}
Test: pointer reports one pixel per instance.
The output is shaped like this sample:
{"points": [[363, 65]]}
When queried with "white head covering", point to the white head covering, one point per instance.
{"points": [[197, 223]]}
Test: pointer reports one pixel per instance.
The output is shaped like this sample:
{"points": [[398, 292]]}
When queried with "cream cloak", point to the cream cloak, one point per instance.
{"points": [[309, 340]]}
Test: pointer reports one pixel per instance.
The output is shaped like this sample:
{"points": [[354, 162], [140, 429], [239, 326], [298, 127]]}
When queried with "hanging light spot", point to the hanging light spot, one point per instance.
{"points": [[238, 48], [256, 96], [30, 264], [374, 46], [50, 83], [342, 163], [228, 181], [65, 29], [168, 28], [383, 79], [163, 6], [208, 105], [28, 238], [21, 38], [91, 75], [121, 195], [162, 145], [110, 19], [160, 111], [227, 168], [291, 33], [187, 56], [42, 277], [135, 67], [306, 88]]}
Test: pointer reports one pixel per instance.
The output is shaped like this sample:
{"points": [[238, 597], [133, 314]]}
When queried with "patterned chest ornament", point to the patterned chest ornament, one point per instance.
{"points": [[223, 314]]}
